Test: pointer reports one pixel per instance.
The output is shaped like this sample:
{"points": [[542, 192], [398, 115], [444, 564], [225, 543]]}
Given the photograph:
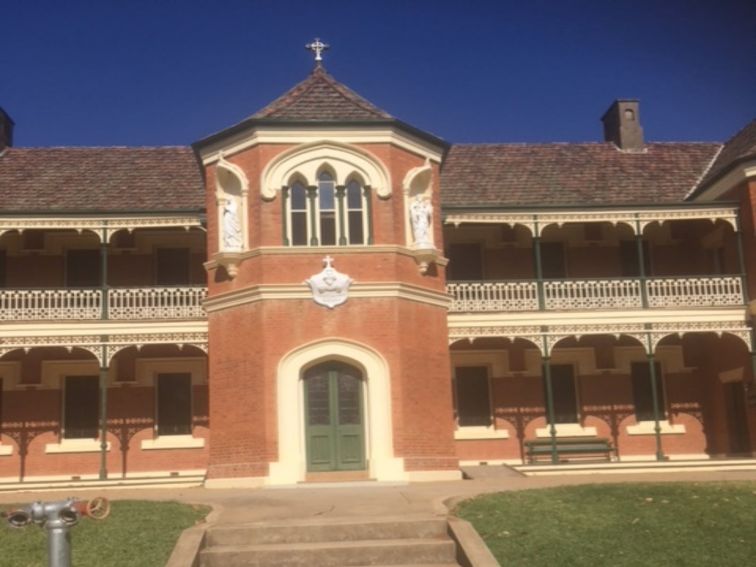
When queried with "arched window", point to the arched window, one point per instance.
{"points": [[355, 213], [298, 214], [326, 214], [327, 209]]}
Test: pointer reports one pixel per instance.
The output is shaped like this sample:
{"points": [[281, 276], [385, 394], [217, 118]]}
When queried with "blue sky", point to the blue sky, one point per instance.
{"points": [[169, 72]]}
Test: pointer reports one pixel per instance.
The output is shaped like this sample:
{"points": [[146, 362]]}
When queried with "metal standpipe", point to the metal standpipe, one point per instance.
{"points": [[58, 518]]}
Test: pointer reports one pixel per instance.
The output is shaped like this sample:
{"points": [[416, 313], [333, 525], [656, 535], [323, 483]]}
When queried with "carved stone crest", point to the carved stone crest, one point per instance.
{"points": [[329, 287]]}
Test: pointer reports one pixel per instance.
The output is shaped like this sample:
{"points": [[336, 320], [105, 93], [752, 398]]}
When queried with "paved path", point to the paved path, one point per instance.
{"points": [[235, 505]]}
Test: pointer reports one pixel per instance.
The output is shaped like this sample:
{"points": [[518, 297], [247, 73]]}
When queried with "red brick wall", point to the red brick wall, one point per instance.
{"points": [[31, 419], [695, 399]]}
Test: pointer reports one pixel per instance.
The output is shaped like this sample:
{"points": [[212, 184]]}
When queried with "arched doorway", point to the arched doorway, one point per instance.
{"points": [[334, 418]]}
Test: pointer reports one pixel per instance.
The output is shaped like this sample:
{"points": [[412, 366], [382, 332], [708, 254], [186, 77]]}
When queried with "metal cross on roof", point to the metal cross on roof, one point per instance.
{"points": [[317, 47]]}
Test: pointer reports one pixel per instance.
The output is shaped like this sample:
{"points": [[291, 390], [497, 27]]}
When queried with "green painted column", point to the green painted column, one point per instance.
{"points": [[550, 408], [655, 401], [538, 268], [641, 265], [741, 266], [104, 275], [103, 414]]}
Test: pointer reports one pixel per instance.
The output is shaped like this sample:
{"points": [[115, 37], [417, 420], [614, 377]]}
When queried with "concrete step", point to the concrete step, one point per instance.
{"points": [[349, 529], [332, 554]]}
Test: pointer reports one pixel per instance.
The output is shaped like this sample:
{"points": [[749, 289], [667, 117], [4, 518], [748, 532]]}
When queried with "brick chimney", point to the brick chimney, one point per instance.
{"points": [[6, 130], [622, 125]]}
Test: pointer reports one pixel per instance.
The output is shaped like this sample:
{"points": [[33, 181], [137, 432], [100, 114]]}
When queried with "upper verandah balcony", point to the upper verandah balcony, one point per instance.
{"points": [[676, 258], [99, 270]]}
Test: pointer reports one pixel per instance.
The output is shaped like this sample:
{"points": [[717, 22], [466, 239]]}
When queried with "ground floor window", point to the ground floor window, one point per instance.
{"points": [[564, 393], [174, 404], [643, 394], [81, 408], [473, 396]]}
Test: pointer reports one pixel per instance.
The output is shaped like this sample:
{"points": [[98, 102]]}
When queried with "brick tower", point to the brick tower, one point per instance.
{"points": [[326, 304]]}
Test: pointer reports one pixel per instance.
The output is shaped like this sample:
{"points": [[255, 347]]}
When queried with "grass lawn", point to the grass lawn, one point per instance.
{"points": [[136, 534], [665, 524]]}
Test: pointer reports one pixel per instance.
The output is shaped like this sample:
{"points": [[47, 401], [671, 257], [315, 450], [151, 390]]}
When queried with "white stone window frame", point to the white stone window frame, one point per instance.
{"points": [[341, 208], [146, 374], [495, 363], [345, 162]]}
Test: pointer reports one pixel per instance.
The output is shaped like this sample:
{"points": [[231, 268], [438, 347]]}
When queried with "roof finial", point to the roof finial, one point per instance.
{"points": [[317, 47]]}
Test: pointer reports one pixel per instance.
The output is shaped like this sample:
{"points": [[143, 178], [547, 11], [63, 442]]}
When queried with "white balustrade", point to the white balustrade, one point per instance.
{"points": [[695, 292], [618, 293], [156, 303], [475, 297], [592, 294], [49, 304], [86, 304]]}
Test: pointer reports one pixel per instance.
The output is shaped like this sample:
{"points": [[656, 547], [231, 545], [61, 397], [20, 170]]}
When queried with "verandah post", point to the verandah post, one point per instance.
{"points": [[641, 264], [538, 266], [550, 408], [655, 401], [103, 411]]}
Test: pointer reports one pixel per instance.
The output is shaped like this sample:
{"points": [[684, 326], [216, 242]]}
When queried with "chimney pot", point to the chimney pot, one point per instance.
{"points": [[622, 125], [6, 130]]}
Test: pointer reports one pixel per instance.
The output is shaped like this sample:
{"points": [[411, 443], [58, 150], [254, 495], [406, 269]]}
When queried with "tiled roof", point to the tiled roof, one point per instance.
{"points": [[320, 97], [100, 179], [571, 174], [741, 146]]}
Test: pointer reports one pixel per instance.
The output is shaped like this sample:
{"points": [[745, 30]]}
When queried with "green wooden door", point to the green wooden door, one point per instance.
{"points": [[334, 418]]}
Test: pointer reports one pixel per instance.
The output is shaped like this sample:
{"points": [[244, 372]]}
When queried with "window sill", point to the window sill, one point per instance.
{"points": [[74, 446], [567, 430], [173, 442], [469, 433], [6, 450], [647, 428]]}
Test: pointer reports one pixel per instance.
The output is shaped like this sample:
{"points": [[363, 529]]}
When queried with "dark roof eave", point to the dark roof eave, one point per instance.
{"points": [[105, 212], [581, 206], [256, 122], [720, 174]]}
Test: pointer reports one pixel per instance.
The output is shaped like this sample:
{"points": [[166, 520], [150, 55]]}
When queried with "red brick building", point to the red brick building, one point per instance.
{"points": [[323, 292]]}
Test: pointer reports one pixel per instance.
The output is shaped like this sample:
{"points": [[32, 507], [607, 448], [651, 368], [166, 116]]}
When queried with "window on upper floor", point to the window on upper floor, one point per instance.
{"points": [[325, 214]]}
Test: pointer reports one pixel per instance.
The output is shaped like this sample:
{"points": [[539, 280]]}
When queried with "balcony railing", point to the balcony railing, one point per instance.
{"points": [[614, 293], [86, 304]]}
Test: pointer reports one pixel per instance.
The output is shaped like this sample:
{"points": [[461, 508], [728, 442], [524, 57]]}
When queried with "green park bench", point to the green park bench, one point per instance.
{"points": [[568, 448]]}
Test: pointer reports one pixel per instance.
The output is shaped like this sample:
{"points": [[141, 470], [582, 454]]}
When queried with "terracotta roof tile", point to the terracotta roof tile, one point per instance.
{"points": [[100, 179], [571, 174], [320, 97], [741, 146]]}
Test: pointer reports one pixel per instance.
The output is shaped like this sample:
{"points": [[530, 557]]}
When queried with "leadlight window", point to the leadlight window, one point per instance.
{"points": [[326, 214]]}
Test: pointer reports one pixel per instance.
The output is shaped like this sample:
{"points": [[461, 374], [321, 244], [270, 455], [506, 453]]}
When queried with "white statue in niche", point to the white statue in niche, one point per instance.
{"points": [[232, 233], [421, 213]]}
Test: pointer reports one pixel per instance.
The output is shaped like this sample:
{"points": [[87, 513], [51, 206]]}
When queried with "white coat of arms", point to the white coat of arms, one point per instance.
{"points": [[329, 287]]}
